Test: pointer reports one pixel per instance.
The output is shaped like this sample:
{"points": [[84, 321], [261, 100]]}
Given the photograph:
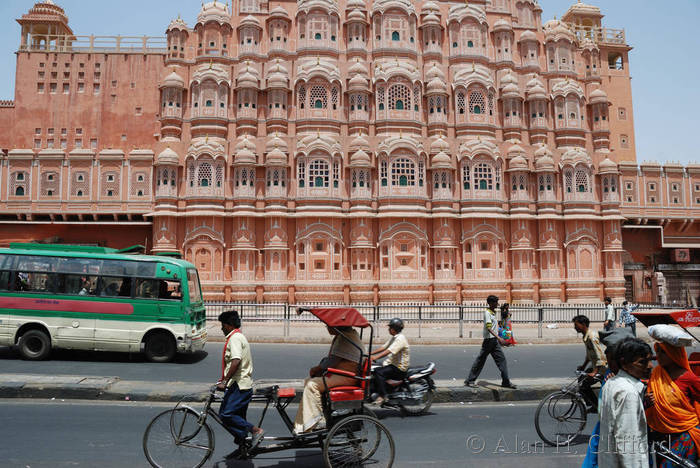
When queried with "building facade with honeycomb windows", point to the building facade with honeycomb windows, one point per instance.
{"points": [[352, 151]]}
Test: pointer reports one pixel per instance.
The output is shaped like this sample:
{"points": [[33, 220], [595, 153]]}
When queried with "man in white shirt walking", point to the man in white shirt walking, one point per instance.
{"points": [[623, 424], [490, 346], [609, 323]]}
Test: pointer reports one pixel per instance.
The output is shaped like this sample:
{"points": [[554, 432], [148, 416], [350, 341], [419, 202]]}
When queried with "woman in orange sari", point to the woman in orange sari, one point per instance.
{"points": [[675, 392]]}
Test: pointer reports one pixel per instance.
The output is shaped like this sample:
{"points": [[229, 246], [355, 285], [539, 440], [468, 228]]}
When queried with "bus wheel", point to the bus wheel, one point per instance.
{"points": [[35, 345], [160, 347]]}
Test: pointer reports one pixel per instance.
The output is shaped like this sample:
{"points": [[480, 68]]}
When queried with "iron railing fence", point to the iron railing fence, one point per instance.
{"points": [[460, 314]]}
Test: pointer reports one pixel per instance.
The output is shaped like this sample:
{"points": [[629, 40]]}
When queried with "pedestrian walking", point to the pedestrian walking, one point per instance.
{"points": [[490, 346], [623, 424], [609, 323], [237, 382], [627, 319], [505, 326]]}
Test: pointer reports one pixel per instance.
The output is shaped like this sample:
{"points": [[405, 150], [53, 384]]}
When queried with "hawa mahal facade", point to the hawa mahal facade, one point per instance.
{"points": [[355, 151]]}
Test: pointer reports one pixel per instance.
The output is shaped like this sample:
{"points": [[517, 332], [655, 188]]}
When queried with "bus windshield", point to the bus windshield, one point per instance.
{"points": [[193, 286]]}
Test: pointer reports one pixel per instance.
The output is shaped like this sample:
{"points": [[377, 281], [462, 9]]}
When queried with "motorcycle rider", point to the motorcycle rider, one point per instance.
{"points": [[396, 365]]}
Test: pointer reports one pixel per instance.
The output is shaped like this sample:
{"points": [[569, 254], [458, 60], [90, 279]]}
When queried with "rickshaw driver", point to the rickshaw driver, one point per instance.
{"points": [[345, 354]]}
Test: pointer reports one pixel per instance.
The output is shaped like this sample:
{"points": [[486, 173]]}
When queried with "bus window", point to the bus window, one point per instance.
{"points": [[31, 281], [169, 290], [193, 286], [115, 287], [147, 288], [5, 284], [79, 285], [128, 268], [78, 265]]}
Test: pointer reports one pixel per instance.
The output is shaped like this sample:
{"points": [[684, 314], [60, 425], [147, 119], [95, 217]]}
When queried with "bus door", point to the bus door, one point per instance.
{"points": [[114, 323], [74, 314]]}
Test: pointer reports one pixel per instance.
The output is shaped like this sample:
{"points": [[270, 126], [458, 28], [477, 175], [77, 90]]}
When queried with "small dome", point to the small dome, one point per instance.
{"points": [[431, 19], [518, 163], [177, 23], [576, 155], [276, 142], [168, 157], [435, 72], [245, 141], [555, 30], [607, 166], [358, 68], [250, 20], [502, 25], [359, 142], [528, 36], [441, 160], [173, 80], [436, 86], [430, 7], [244, 157], [214, 11], [276, 158], [509, 86], [544, 163], [247, 78], [439, 144], [356, 15], [598, 96], [358, 83], [515, 149], [534, 89], [277, 77], [279, 12], [360, 159]]}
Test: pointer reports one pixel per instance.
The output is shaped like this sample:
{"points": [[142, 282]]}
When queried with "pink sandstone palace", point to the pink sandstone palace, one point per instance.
{"points": [[354, 151]]}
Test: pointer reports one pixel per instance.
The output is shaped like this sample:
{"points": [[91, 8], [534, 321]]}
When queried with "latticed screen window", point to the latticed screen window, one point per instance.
{"points": [[550, 182], [403, 172], [204, 175], [140, 184], [318, 27], [363, 179], [460, 103], [490, 104], [421, 173], [383, 173], [380, 98], [110, 184], [613, 184], [301, 173], [416, 98], [572, 108], [49, 184], [19, 183], [352, 102], [80, 185], [276, 177], [318, 97], [399, 97], [476, 102], [569, 181], [220, 175], [302, 96], [249, 6], [334, 97], [466, 179], [582, 181], [318, 173], [483, 177], [541, 183]]}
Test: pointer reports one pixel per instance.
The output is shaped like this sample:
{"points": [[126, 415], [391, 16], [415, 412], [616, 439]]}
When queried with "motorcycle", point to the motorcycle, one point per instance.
{"points": [[413, 395]]}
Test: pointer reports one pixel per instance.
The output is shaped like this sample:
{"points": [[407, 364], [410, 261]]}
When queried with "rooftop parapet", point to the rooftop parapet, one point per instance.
{"points": [[607, 36], [96, 44]]}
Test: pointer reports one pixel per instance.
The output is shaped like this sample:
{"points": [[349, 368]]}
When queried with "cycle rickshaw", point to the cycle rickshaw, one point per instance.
{"points": [[353, 436]]}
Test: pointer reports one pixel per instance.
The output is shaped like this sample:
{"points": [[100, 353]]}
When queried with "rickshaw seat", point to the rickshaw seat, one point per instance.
{"points": [[347, 393], [694, 361], [286, 392]]}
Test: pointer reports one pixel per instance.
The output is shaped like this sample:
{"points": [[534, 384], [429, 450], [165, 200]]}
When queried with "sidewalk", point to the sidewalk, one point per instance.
{"points": [[112, 388], [431, 333]]}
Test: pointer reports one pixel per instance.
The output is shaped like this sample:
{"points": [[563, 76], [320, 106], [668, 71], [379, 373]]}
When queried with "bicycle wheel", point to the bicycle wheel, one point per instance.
{"points": [[559, 418], [175, 438], [358, 441]]}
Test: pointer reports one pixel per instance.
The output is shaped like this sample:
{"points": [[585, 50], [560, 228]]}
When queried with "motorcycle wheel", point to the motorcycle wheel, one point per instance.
{"points": [[420, 406]]}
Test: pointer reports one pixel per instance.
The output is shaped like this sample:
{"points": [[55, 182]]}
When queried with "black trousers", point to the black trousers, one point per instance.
{"points": [[384, 373], [492, 347]]}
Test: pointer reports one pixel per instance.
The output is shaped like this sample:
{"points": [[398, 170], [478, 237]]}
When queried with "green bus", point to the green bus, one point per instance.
{"points": [[98, 298]]}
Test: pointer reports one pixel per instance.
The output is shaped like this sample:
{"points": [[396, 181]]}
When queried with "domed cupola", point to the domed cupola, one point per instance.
{"points": [[245, 152], [167, 157], [173, 80], [214, 11]]}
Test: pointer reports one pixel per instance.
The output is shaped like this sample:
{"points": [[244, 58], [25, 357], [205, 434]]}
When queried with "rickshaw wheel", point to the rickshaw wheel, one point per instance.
{"points": [[358, 439]]}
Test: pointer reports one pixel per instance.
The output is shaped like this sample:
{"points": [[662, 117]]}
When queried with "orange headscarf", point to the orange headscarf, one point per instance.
{"points": [[672, 412]]}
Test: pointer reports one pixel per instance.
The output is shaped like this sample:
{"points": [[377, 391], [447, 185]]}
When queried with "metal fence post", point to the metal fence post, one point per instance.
{"points": [[286, 319], [461, 321], [420, 320], [540, 319]]}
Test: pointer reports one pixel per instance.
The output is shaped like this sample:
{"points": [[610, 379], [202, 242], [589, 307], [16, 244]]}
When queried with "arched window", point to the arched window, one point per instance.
{"points": [[395, 36], [582, 185], [466, 179], [19, 192], [403, 172], [318, 96], [460, 103], [569, 180], [383, 174], [301, 94], [399, 104], [483, 176]]}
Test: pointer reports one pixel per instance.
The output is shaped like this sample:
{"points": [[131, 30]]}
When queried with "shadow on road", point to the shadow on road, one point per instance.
{"points": [[300, 459], [7, 352]]}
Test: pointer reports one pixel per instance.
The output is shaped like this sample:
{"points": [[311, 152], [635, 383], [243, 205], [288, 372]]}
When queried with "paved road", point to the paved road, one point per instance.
{"points": [[59, 434], [289, 361]]}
